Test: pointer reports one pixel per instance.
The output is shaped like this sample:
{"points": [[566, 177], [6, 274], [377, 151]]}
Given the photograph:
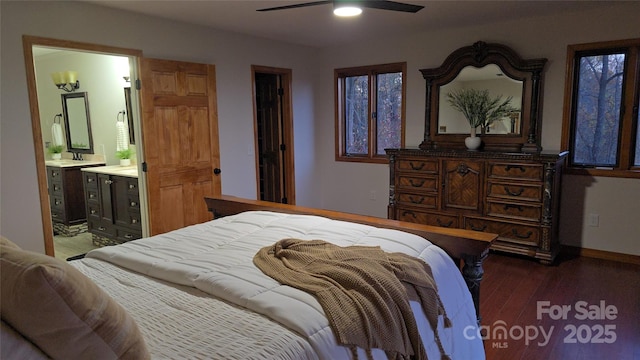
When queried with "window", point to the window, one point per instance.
{"points": [[370, 111], [600, 127]]}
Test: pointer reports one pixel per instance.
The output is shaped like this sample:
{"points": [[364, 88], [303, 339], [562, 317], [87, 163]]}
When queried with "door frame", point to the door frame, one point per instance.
{"points": [[28, 42], [287, 120]]}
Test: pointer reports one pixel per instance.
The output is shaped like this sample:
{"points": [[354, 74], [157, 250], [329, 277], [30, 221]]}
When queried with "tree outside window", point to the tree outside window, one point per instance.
{"points": [[370, 111], [600, 127]]}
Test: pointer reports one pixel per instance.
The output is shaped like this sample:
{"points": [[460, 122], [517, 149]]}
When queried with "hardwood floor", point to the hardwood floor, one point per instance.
{"points": [[513, 288]]}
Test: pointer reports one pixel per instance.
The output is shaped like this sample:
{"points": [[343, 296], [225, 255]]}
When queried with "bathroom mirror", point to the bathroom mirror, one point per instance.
{"points": [[75, 107], [498, 69], [129, 114]]}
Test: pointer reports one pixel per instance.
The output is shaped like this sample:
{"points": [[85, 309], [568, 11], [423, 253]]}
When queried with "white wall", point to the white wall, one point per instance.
{"points": [[101, 78], [320, 181], [347, 186], [232, 55]]}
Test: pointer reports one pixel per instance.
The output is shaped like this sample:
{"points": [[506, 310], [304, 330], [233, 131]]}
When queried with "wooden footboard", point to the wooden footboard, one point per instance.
{"points": [[467, 248]]}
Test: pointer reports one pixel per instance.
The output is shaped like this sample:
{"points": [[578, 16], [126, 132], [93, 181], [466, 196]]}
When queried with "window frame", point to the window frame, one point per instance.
{"points": [[340, 133], [629, 107]]}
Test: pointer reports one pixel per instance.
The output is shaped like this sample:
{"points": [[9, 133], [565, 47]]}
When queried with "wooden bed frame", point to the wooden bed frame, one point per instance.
{"points": [[467, 248]]}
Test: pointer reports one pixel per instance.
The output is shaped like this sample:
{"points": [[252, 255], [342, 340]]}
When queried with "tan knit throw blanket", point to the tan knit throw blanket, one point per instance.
{"points": [[363, 290]]}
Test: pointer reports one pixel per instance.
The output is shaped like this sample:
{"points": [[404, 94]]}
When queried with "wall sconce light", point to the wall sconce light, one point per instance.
{"points": [[66, 80], [126, 79]]}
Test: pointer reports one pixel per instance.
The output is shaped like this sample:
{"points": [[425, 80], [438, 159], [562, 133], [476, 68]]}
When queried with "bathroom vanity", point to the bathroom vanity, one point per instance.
{"points": [[66, 198], [113, 204]]}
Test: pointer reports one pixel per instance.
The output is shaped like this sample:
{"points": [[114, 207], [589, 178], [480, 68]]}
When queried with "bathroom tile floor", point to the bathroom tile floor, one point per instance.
{"points": [[67, 246]]}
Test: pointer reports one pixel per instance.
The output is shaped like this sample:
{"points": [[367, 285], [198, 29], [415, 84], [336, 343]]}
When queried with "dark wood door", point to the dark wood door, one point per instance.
{"points": [[180, 137], [271, 146]]}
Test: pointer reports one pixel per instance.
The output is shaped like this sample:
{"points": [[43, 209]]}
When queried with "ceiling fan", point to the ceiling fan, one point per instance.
{"points": [[373, 4]]}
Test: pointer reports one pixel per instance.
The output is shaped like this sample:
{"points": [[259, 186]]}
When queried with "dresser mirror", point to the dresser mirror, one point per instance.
{"points": [[502, 72], [77, 123]]}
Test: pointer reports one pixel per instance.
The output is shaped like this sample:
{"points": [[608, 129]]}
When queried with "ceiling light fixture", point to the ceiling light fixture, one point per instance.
{"points": [[346, 9]]}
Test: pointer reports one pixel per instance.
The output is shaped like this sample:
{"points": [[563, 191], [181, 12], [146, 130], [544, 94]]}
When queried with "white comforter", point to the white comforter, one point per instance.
{"points": [[216, 258]]}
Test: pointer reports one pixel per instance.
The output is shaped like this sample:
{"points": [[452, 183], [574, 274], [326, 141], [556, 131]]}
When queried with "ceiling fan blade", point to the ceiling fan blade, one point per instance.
{"points": [[313, 3], [392, 5]]}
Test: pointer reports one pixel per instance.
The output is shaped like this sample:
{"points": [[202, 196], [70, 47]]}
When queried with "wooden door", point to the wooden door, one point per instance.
{"points": [[271, 145], [180, 137]]}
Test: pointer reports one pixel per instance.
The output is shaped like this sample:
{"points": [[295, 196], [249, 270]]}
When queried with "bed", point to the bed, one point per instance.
{"points": [[194, 293]]}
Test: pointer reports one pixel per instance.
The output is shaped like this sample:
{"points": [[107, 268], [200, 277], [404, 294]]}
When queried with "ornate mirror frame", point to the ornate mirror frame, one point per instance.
{"points": [[479, 55]]}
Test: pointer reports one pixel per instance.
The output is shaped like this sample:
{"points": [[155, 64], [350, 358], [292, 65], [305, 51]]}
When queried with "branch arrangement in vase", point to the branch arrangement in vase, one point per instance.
{"points": [[479, 108]]}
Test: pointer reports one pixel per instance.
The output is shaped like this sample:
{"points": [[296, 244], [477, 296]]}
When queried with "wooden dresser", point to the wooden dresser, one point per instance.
{"points": [[515, 195]]}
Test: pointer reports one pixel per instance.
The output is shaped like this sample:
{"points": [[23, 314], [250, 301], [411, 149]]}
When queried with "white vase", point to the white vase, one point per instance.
{"points": [[473, 142], [56, 156], [125, 162]]}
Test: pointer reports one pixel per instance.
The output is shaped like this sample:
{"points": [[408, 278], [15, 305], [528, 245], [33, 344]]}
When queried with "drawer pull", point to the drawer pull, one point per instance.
{"points": [[89, 180], [93, 211], [478, 228], [405, 213], [91, 196], [128, 236], [55, 188], [133, 203], [413, 167], [102, 228], [519, 167], [440, 223], [418, 201], [513, 193], [131, 186], [134, 221], [526, 236], [57, 202], [417, 184], [54, 215], [512, 206], [108, 182], [55, 173]]}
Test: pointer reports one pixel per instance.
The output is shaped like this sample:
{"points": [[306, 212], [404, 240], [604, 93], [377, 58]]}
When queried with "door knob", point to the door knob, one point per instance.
{"points": [[217, 171]]}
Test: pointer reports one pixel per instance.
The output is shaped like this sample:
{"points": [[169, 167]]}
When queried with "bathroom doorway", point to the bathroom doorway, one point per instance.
{"points": [[97, 67]]}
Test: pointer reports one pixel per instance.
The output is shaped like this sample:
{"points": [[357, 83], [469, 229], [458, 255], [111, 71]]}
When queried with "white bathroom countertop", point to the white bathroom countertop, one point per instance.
{"points": [[71, 163], [129, 171]]}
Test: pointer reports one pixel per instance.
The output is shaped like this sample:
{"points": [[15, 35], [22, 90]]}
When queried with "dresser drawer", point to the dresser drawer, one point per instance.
{"points": [[58, 215], [93, 210], [419, 165], [417, 183], [427, 218], [100, 228], [57, 203], [511, 232], [124, 235], [92, 196], [55, 188], [132, 185], [429, 201], [134, 203], [514, 210], [516, 171], [515, 191], [90, 180], [54, 173]]}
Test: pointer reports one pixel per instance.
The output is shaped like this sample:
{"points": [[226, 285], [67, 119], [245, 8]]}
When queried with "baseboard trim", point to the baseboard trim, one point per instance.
{"points": [[601, 254]]}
